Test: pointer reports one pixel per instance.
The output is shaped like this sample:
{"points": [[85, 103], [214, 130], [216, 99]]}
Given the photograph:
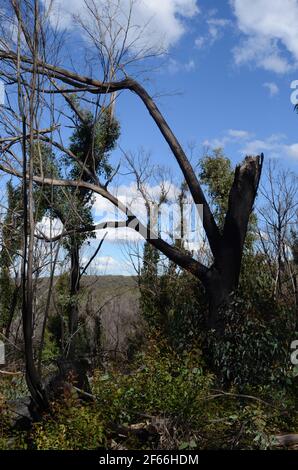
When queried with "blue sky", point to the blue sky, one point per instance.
{"points": [[217, 96], [229, 65], [243, 107], [225, 81]]}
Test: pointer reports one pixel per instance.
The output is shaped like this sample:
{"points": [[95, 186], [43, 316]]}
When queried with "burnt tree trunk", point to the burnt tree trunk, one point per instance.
{"points": [[222, 279]]}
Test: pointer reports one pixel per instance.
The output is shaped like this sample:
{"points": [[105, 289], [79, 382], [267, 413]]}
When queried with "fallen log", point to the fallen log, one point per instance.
{"points": [[6, 372], [287, 440]]}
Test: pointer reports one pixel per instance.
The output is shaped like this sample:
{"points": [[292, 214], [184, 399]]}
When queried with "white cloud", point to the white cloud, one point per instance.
{"points": [[200, 42], [270, 31], [175, 66], [102, 264], [263, 53], [292, 150], [190, 65], [272, 88], [274, 146], [238, 134], [130, 196], [270, 145], [215, 29], [106, 264], [215, 143], [230, 136], [216, 26], [165, 20]]}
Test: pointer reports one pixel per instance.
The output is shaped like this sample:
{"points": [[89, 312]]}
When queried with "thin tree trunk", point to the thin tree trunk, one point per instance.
{"points": [[32, 377], [74, 291], [13, 305]]}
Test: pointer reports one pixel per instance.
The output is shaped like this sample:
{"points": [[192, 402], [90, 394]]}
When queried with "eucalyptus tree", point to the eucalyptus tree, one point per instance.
{"points": [[91, 142]]}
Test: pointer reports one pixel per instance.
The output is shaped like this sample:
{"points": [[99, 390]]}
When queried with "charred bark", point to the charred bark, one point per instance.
{"points": [[223, 277]]}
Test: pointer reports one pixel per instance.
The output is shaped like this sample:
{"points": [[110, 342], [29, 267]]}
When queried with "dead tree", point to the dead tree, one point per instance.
{"points": [[221, 278], [28, 118], [278, 222]]}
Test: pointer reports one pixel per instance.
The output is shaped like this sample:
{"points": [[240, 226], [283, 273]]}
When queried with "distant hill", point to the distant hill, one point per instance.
{"points": [[109, 308]]}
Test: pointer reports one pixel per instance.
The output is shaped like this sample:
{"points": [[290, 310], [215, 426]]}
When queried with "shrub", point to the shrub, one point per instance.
{"points": [[254, 347], [70, 426]]}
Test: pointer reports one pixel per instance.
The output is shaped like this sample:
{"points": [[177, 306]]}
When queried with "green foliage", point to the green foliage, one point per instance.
{"points": [[91, 143], [161, 383], [174, 390], [50, 350], [12, 225], [46, 164], [172, 302], [255, 281], [180, 390], [73, 427], [148, 284], [216, 173], [254, 347], [58, 323], [11, 243], [4, 427], [7, 288]]}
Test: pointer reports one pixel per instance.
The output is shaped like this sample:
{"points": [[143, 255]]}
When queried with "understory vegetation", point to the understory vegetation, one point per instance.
{"points": [[165, 401], [180, 387]]}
